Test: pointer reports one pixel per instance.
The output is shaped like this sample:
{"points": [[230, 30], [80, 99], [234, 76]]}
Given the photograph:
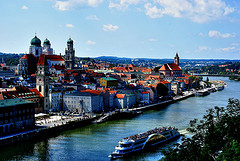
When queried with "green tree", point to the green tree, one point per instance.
{"points": [[156, 69], [219, 130], [162, 90]]}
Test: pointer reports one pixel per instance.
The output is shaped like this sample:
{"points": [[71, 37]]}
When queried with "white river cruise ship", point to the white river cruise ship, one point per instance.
{"points": [[141, 141]]}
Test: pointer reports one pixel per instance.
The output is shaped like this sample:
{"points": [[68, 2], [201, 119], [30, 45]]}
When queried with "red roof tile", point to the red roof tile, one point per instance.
{"points": [[42, 60], [55, 57], [120, 95]]}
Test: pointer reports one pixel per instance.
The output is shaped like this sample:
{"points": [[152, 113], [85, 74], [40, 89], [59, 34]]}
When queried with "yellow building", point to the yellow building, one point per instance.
{"points": [[108, 82]]}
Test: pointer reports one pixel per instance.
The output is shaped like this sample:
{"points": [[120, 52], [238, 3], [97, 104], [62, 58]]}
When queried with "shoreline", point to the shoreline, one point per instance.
{"points": [[55, 127]]}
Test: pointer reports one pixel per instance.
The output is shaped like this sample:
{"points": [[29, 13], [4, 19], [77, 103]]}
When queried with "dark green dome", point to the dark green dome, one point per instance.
{"points": [[70, 41], [36, 41], [46, 42]]}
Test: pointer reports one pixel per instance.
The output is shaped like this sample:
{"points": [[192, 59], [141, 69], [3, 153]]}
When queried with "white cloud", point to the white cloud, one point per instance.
{"points": [[92, 17], [199, 11], [122, 4], [70, 25], [24, 7], [64, 5], [227, 49], [203, 48], [235, 44], [217, 34], [152, 40], [89, 42], [110, 27]]}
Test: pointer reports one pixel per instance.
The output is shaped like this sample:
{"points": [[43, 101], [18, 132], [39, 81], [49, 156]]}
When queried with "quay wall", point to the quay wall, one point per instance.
{"points": [[42, 132], [45, 132]]}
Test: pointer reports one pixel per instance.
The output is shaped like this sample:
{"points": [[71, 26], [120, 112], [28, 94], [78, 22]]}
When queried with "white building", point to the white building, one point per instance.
{"points": [[83, 102]]}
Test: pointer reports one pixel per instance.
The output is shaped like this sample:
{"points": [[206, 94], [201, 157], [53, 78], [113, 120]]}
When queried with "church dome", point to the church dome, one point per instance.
{"points": [[70, 41], [36, 42], [46, 42]]}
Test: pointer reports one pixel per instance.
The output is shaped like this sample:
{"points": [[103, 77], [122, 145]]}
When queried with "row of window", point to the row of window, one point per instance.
{"points": [[15, 119]]}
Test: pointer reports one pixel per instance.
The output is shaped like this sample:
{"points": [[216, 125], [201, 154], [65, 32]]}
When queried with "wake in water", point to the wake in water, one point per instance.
{"points": [[185, 132]]}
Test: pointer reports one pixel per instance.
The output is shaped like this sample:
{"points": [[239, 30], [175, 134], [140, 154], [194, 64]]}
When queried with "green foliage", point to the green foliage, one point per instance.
{"points": [[230, 68], [215, 137], [10, 59], [162, 90], [156, 69]]}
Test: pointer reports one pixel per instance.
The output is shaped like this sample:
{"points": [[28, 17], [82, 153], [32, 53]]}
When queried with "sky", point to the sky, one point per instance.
{"points": [[196, 29]]}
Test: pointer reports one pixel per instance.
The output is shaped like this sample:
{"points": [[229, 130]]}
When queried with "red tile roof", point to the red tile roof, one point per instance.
{"points": [[57, 67], [27, 56], [42, 60], [97, 92], [55, 57], [120, 95], [170, 66]]}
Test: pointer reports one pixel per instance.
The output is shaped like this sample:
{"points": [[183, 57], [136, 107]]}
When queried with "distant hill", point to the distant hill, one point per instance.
{"points": [[10, 58]]}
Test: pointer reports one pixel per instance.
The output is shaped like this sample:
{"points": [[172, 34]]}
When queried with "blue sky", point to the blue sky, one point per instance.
{"points": [[125, 28]]}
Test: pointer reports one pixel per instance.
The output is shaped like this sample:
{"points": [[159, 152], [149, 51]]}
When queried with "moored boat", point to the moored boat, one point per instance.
{"points": [[144, 140]]}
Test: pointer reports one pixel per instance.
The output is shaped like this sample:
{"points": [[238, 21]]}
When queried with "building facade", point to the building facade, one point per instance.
{"points": [[82, 102], [16, 115], [108, 82]]}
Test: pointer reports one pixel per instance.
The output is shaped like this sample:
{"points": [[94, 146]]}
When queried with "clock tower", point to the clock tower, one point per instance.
{"points": [[42, 81]]}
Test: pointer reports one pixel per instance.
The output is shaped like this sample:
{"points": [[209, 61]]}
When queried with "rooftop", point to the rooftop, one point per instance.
{"points": [[109, 79], [12, 102]]}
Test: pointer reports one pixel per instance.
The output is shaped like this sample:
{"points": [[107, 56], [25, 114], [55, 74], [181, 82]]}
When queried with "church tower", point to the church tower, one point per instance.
{"points": [[69, 55], [35, 48], [42, 81], [176, 59], [47, 50]]}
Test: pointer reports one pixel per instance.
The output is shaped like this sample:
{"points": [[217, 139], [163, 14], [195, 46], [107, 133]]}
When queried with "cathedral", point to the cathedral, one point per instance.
{"points": [[28, 63]]}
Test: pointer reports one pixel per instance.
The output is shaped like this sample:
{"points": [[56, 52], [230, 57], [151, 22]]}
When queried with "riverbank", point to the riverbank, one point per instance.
{"points": [[49, 127]]}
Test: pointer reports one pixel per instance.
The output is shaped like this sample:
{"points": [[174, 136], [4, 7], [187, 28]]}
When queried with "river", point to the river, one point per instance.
{"points": [[95, 142]]}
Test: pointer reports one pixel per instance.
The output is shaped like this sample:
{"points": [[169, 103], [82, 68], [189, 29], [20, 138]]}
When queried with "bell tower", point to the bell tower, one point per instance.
{"points": [[69, 55], [42, 81], [176, 59]]}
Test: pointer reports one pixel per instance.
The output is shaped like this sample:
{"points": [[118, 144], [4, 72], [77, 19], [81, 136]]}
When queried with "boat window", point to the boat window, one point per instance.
{"points": [[125, 145]]}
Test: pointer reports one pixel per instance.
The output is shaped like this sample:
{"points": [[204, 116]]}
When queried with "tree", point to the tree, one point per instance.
{"points": [[156, 69], [162, 90], [219, 130]]}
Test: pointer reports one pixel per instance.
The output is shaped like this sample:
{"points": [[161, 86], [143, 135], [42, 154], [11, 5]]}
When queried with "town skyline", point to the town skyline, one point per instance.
{"points": [[136, 28]]}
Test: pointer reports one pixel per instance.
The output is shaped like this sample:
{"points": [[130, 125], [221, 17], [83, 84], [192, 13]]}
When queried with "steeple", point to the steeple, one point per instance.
{"points": [[42, 80], [69, 54], [176, 59]]}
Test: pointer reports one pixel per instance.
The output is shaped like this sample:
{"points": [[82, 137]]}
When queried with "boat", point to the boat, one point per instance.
{"points": [[203, 92], [144, 140]]}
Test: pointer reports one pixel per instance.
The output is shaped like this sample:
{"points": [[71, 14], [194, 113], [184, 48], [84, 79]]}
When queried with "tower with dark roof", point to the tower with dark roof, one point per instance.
{"points": [[35, 47], [176, 59], [69, 54], [46, 49], [42, 80]]}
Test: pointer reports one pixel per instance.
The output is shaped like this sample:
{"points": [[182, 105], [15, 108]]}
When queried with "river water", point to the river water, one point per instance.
{"points": [[95, 142]]}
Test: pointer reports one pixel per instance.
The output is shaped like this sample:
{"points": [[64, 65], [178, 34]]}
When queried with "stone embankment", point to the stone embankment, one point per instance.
{"points": [[53, 125]]}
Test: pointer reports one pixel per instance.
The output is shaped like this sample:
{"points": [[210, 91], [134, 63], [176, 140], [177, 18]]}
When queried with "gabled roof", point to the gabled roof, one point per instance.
{"points": [[170, 66], [28, 56], [55, 57], [42, 60]]}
